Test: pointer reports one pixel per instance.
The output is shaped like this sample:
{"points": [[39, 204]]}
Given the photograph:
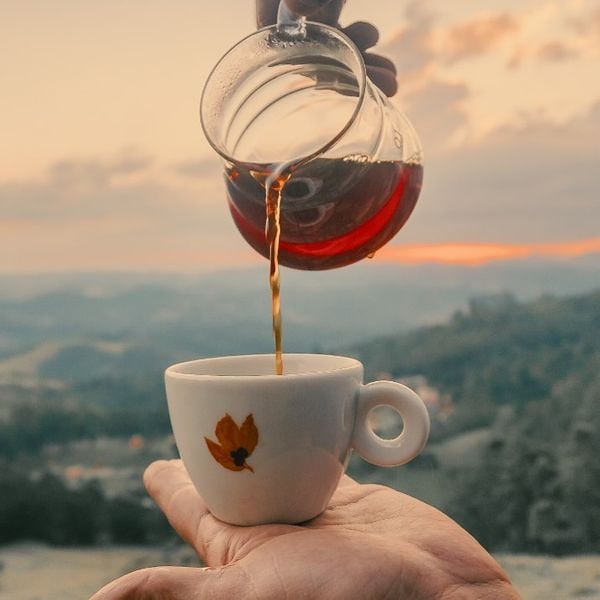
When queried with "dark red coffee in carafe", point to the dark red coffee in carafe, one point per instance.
{"points": [[333, 211]]}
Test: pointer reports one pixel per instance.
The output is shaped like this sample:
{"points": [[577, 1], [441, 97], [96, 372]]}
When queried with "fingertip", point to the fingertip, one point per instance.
{"points": [[363, 34], [384, 79], [266, 12], [154, 469], [160, 471], [157, 465], [377, 60]]}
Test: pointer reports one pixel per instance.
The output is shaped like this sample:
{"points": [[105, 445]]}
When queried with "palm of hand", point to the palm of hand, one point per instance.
{"points": [[371, 542]]}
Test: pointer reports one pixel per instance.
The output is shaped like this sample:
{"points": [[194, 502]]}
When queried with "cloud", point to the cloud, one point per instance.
{"points": [[525, 188], [550, 51], [589, 24], [434, 104], [519, 53], [420, 46], [412, 46], [576, 34], [586, 30], [199, 169], [478, 36], [436, 109], [555, 51], [526, 183], [92, 188], [113, 214], [423, 46], [529, 181], [97, 172]]}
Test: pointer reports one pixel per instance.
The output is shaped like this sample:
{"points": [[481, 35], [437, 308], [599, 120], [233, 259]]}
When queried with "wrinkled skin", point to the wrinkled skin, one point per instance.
{"points": [[371, 542], [380, 70]]}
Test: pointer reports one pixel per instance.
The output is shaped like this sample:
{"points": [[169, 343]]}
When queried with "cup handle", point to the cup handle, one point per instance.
{"points": [[402, 449]]}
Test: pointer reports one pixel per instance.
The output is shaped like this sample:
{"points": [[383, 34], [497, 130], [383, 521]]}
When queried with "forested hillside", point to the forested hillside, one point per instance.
{"points": [[530, 372]]}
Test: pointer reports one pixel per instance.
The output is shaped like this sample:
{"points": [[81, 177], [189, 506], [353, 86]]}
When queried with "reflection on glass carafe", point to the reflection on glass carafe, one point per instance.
{"points": [[293, 102]]}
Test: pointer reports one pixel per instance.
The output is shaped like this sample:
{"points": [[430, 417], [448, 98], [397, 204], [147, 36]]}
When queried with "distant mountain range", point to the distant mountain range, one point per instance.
{"points": [[81, 326]]}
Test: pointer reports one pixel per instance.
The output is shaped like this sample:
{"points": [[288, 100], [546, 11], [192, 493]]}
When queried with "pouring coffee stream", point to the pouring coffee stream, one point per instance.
{"points": [[273, 189], [321, 168]]}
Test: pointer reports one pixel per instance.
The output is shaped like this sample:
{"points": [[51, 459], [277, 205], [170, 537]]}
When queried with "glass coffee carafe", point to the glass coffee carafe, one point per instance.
{"points": [[292, 104]]}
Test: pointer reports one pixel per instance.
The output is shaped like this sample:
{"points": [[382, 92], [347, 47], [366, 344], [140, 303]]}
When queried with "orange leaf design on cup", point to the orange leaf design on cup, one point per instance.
{"points": [[235, 445]]}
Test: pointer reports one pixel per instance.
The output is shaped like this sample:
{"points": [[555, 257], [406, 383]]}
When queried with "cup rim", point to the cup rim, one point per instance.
{"points": [[362, 83], [346, 364]]}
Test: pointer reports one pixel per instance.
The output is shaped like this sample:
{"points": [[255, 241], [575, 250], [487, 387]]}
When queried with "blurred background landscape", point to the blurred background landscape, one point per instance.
{"points": [[511, 380], [118, 257]]}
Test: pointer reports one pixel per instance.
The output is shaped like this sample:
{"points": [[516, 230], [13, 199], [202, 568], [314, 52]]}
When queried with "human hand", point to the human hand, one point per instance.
{"points": [[371, 542], [380, 70]]}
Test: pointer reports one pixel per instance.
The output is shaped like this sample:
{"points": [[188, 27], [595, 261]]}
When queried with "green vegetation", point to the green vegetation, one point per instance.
{"points": [[109, 408], [542, 474], [43, 508], [531, 372], [40, 506], [499, 353]]}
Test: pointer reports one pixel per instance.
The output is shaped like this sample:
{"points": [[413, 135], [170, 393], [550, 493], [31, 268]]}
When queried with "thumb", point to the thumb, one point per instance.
{"points": [[176, 583]]}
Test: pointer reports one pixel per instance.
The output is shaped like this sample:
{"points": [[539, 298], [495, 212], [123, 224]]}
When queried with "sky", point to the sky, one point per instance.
{"points": [[103, 164]]}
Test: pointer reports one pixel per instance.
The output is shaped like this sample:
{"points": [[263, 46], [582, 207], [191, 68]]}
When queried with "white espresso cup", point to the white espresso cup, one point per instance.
{"points": [[266, 448]]}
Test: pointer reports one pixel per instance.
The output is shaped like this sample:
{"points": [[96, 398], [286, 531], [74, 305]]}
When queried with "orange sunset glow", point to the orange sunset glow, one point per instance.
{"points": [[481, 253]]}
